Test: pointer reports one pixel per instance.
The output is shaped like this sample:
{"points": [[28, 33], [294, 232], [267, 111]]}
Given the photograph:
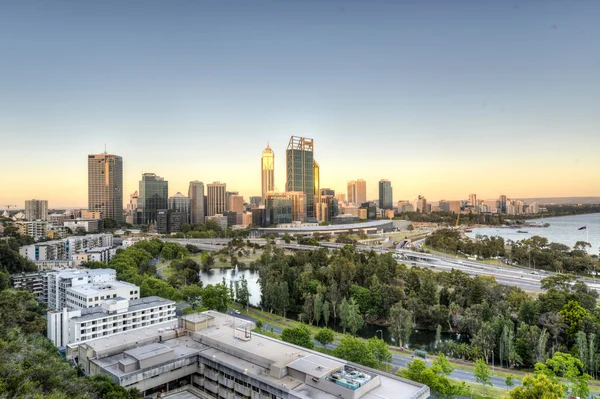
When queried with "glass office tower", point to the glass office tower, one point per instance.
{"points": [[300, 170]]}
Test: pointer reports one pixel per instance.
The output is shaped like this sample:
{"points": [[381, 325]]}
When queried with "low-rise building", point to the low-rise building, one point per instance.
{"points": [[71, 327], [85, 214], [220, 220], [101, 254], [64, 249], [220, 356], [32, 282], [35, 229], [88, 225]]}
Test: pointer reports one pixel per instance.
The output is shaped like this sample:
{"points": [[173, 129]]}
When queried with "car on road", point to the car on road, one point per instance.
{"points": [[237, 312]]}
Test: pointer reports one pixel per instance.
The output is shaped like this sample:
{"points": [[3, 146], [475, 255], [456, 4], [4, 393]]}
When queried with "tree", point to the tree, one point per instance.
{"points": [[355, 350], [243, 293], [537, 386], [216, 297], [380, 350], [325, 336], [436, 378], [326, 312], [509, 381], [208, 261], [573, 315], [318, 307], [299, 335], [400, 324], [564, 365], [350, 317], [483, 374], [192, 295]]}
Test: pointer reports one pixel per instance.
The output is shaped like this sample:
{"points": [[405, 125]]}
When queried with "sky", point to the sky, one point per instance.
{"points": [[441, 98]]}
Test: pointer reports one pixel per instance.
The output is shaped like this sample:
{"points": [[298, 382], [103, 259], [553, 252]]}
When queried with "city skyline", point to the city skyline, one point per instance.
{"points": [[402, 91]]}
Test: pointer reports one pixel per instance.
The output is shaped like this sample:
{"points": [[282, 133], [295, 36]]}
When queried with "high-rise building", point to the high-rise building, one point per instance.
{"points": [[385, 194], [36, 210], [361, 191], [502, 204], [105, 185], [181, 203], [267, 167], [421, 205], [153, 196], [329, 205], [236, 203], [450, 206], [341, 197], [216, 198], [227, 195], [299, 209], [317, 189], [279, 205], [473, 200], [352, 192], [300, 170], [196, 196], [131, 209]]}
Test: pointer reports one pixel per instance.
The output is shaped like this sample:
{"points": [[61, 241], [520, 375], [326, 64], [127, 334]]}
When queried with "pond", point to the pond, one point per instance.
{"points": [[425, 339]]}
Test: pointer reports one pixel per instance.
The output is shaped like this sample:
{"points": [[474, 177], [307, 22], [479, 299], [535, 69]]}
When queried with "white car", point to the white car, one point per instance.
{"points": [[237, 312]]}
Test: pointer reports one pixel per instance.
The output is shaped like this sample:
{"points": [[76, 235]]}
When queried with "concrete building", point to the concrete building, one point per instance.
{"points": [[502, 203], [405, 206], [131, 209], [385, 194], [341, 198], [317, 190], [181, 203], [473, 200], [35, 229], [64, 249], [58, 219], [85, 214], [56, 283], [352, 192], [105, 185], [32, 282], [301, 171], [219, 356], [153, 196], [246, 219], [267, 168], [100, 254], [533, 208], [236, 204], [450, 206], [216, 198], [256, 201], [196, 196], [72, 327], [421, 204], [361, 191], [89, 225], [57, 232], [220, 220], [36, 210]]}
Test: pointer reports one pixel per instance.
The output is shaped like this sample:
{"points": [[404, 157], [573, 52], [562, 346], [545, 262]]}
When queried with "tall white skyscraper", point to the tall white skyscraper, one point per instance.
{"points": [[267, 167]]}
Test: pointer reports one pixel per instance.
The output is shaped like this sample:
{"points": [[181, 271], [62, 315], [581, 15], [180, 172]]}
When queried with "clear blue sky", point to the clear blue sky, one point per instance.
{"points": [[443, 98]]}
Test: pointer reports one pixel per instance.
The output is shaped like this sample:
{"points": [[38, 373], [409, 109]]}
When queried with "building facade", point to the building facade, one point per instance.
{"points": [[196, 196], [105, 185], [36, 210], [280, 207], [64, 249], [216, 201], [385, 194], [153, 196], [267, 168], [181, 203], [236, 203], [300, 170]]}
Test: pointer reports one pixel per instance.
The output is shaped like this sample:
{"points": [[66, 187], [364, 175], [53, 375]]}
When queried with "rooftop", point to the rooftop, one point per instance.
{"points": [[83, 272], [100, 289], [98, 312]]}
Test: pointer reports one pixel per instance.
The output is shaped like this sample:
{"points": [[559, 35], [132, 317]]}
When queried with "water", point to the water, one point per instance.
{"points": [[215, 276], [563, 229]]}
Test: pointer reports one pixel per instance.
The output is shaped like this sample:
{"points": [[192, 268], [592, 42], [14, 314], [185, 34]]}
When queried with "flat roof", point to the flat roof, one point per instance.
{"points": [[96, 289], [98, 312], [197, 317], [83, 272], [148, 351]]}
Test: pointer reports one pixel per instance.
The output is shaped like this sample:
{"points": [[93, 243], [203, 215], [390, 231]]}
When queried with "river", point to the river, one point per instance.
{"points": [[562, 229]]}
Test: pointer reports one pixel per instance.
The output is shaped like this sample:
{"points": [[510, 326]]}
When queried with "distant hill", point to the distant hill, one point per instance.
{"points": [[564, 200]]}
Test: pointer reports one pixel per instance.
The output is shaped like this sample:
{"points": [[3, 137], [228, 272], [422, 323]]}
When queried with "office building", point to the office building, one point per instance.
{"points": [[370, 211], [473, 200], [216, 198], [169, 221], [131, 209], [105, 185], [218, 355], [36, 210], [267, 167], [361, 191], [405, 206], [153, 196], [385, 194], [341, 197], [261, 216], [87, 225], [450, 206], [300, 170], [58, 219], [196, 196], [114, 315], [236, 203], [502, 203], [256, 201], [181, 203], [421, 205], [352, 192], [220, 219], [280, 207], [329, 205]]}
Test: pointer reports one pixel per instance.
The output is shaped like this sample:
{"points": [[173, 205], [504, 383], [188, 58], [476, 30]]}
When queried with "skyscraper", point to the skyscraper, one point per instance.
{"points": [[352, 192], [385, 194], [36, 210], [361, 191], [153, 195], [473, 200], [105, 185], [181, 203], [267, 167], [216, 198], [317, 189], [235, 203], [502, 204], [196, 195], [300, 170]]}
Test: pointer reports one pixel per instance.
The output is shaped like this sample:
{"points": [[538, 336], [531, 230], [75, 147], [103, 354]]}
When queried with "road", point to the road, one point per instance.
{"points": [[397, 360]]}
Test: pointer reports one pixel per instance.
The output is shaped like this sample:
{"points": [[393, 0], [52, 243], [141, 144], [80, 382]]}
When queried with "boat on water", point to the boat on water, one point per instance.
{"points": [[522, 231]]}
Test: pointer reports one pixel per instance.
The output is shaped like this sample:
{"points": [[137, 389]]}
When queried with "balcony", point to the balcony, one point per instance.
{"points": [[225, 393], [211, 375], [225, 382], [242, 390], [211, 386]]}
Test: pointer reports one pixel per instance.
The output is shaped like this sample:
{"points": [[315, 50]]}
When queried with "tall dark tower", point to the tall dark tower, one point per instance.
{"points": [[300, 171]]}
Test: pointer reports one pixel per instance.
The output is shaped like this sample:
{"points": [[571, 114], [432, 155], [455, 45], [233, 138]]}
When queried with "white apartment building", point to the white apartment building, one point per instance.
{"points": [[71, 327], [91, 295], [56, 283], [101, 254], [89, 225], [64, 249]]}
